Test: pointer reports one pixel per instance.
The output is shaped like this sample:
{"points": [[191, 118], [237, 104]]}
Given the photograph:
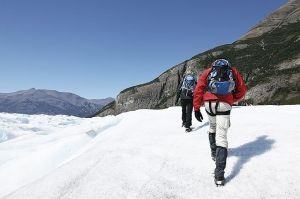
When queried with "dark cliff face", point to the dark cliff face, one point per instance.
{"points": [[156, 94], [37, 101], [268, 56]]}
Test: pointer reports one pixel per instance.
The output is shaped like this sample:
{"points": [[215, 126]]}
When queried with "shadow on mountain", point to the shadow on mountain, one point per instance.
{"points": [[247, 151]]}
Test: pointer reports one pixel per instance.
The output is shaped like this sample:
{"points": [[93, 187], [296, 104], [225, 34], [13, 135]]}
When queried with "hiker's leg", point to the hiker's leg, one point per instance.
{"points": [[221, 157], [183, 111], [189, 110], [223, 123], [210, 110]]}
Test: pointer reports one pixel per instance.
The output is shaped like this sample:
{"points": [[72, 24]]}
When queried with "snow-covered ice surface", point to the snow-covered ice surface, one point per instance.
{"points": [[146, 154]]}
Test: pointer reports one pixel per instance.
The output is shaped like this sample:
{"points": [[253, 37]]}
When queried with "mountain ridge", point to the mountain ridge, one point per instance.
{"points": [[267, 56], [51, 102], [288, 13]]}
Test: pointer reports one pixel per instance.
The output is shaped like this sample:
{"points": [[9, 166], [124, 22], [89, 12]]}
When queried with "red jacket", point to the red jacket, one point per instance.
{"points": [[200, 93]]}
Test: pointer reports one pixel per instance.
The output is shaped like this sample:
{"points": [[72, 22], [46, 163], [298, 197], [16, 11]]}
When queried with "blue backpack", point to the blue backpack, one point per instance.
{"points": [[188, 85], [221, 80]]}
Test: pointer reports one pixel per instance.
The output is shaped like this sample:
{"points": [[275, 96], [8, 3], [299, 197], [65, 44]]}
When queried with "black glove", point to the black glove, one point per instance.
{"points": [[198, 116]]}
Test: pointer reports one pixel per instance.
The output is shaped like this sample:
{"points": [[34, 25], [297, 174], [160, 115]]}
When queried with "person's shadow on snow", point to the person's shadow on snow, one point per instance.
{"points": [[201, 126], [246, 151]]}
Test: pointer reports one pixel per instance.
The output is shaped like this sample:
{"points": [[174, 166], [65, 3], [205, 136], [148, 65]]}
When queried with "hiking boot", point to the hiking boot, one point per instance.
{"points": [[220, 181], [188, 129]]}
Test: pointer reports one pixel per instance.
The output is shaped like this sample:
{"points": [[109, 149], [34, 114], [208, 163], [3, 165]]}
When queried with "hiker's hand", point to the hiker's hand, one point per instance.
{"points": [[198, 116]]}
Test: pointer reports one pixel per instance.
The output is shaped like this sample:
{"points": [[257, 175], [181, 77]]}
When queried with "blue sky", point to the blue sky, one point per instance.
{"points": [[96, 48]]}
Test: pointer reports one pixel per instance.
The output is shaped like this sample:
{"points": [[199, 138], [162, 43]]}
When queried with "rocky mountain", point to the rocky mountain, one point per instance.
{"points": [[268, 57], [51, 102]]}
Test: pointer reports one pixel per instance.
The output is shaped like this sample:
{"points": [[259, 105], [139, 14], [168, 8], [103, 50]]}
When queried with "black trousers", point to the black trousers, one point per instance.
{"points": [[187, 108]]}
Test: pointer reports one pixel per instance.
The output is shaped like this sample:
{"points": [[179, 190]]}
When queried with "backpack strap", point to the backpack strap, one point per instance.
{"points": [[211, 113]]}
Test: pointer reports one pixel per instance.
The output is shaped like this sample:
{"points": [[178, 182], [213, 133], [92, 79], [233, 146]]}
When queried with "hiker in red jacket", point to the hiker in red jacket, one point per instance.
{"points": [[218, 88]]}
